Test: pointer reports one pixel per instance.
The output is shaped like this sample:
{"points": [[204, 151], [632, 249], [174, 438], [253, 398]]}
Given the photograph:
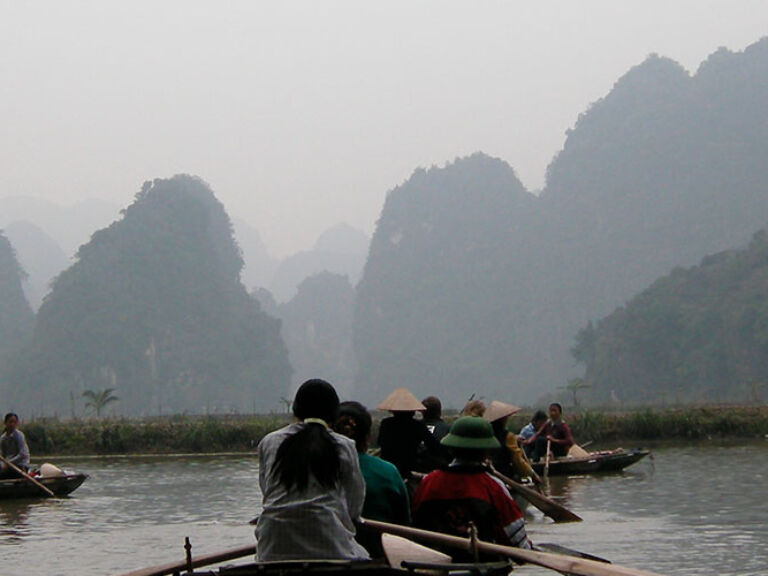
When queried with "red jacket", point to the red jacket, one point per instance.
{"points": [[447, 500]]}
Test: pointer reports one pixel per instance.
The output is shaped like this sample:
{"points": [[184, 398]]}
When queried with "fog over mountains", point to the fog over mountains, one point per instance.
{"points": [[471, 284], [46, 235], [475, 285]]}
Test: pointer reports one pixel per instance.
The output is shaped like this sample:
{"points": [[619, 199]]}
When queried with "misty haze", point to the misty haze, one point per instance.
{"points": [[557, 206]]}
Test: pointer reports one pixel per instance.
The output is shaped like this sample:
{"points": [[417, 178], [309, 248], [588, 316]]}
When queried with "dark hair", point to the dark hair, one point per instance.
{"points": [[311, 449], [9, 416], [558, 406], [499, 428], [433, 407], [471, 454], [538, 416], [355, 422]]}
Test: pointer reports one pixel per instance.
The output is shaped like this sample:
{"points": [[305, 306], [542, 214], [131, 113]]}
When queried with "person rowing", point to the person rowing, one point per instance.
{"points": [[465, 493], [510, 459], [311, 485], [555, 434], [13, 447]]}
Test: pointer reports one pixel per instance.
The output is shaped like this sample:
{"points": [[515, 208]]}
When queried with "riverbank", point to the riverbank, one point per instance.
{"points": [[208, 434], [689, 423]]}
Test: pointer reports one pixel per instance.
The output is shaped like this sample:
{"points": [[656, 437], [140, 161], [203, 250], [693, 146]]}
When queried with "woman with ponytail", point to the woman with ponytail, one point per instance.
{"points": [[311, 485]]}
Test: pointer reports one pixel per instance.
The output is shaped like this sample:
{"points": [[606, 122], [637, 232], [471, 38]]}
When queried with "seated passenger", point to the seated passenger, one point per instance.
{"points": [[428, 459], [554, 433], [13, 447], [311, 485], [537, 421], [473, 408], [386, 498], [509, 459], [433, 417], [448, 500], [400, 435]]}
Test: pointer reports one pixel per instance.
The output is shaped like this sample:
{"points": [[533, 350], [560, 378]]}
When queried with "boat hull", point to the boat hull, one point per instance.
{"points": [[595, 462], [23, 488]]}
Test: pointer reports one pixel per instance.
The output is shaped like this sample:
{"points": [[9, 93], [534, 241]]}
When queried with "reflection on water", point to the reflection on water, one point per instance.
{"points": [[131, 513], [697, 509]]}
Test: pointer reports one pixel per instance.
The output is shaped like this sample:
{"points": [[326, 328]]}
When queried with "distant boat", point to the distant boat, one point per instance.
{"points": [[22, 488], [592, 462]]}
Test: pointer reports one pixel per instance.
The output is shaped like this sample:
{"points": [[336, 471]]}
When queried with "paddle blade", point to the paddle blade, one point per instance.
{"points": [[398, 550]]}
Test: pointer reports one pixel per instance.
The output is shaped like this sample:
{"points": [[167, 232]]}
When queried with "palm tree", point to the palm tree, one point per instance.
{"points": [[98, 399]]}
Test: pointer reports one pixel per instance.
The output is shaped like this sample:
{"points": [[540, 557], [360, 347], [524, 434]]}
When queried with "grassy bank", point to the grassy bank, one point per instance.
{"points": [[691, 423], [174, 434], [201, 434]]}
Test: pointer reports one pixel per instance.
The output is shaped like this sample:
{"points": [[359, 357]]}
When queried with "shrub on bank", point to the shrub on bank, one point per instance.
{"points": [[205, 434], [156, 435]]}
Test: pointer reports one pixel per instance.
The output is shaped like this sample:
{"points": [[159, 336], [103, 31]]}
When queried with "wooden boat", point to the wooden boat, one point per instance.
{"points": [[402, 554], [360, 568], [23, 488], [592, 462]]}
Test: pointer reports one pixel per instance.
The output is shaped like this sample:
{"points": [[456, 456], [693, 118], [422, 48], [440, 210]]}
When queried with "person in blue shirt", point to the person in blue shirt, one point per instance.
{"points": [[538, 420]]}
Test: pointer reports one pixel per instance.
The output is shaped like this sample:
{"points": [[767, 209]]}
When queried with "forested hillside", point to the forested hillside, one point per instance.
{"points": [[317, 330], [436, 307], [154, 308], [474, 285], [16, 317], [698, 334]]}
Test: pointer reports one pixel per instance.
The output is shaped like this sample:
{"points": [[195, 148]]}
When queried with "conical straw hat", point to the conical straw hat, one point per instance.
{"points": [[401, 400], [498, 410]]}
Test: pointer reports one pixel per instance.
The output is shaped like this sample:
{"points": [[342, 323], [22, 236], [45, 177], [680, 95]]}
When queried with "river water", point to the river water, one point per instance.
{"points": [[693, 509]]}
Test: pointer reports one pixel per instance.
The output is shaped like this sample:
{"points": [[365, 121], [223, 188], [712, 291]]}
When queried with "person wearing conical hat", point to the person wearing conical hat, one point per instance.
{"points": [[400, 435], [448, 500], [509, 459]]}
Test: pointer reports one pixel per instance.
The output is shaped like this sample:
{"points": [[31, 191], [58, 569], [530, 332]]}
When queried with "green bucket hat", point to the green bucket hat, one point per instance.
{"points": [[471, 432]]}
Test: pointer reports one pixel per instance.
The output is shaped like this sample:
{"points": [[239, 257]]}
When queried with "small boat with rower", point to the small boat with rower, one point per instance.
{"points": [[582, 462], [49, 481]]}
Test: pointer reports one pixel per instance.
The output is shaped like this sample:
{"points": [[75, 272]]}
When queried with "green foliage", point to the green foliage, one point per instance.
{"points": [[97, 400], [207, 434], [149, 436], [154, 306], [699, 334]]}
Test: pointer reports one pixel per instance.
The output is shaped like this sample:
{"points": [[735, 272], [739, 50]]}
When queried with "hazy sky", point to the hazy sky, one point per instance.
{"points": [[303, 114]]}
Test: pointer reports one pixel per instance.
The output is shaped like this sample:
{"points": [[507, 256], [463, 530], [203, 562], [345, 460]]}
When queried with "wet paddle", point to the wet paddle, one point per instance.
{"points": [[13, 466], [557, 512], [563, 564], [546, 461], [558, 549]]}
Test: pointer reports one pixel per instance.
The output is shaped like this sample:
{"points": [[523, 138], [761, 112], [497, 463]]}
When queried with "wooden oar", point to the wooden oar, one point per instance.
{"points": [[564, 564], [28, 477], [205, 560], [546, 460], [557, 512]]}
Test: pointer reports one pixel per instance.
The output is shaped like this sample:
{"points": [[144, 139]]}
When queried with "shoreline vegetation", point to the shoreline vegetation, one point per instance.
{"points": [[184, 434]]}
